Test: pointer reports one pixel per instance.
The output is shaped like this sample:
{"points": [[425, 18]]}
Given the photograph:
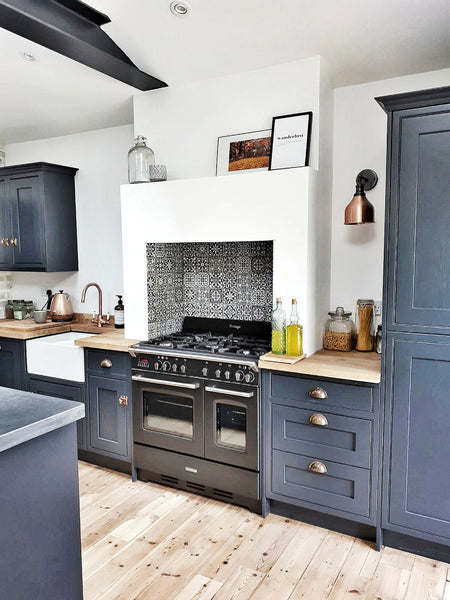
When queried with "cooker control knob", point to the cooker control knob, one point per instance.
{"points": [[239, 375], [249, 378], [218, 373], [166, 365], [227, 374], [205, 371], [157, 365], [174, 367], [183, 369]]}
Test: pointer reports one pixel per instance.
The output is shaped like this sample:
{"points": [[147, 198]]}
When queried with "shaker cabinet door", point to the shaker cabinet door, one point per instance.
{"points": [[5, 248], [27, 223], [419, 244], [12, 372], [417, 470]]}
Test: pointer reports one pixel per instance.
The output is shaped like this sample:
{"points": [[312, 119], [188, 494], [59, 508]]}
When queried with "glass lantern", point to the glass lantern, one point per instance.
{"points": [[140, 159]]}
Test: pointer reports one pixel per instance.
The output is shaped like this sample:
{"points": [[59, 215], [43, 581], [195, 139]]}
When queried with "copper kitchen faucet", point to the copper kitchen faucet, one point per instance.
{"points": [[98, 318]]}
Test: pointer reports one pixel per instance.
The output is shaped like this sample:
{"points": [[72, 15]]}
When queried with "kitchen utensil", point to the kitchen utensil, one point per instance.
{"points": [[61, 307], [40, 316]]}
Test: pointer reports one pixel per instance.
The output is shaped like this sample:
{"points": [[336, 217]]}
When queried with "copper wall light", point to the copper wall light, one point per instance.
{"points": [[360, 210]]}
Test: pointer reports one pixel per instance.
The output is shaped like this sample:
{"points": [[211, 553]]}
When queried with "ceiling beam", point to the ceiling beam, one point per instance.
{"points": [[72, 28]]}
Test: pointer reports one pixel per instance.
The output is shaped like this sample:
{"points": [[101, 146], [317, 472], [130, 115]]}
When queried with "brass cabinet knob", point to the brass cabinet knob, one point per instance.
{"points": [[318, 393], [106, 363], [123, 400], [318, 419], [13, 241], [317, 467], [5, 241]]}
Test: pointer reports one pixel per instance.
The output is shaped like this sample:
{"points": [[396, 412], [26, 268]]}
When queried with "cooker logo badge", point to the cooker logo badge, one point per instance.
{"points": [[235, 326]]}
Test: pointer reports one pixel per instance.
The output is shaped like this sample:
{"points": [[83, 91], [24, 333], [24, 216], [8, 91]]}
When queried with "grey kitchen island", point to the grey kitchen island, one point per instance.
{"points": [[40, 547]]}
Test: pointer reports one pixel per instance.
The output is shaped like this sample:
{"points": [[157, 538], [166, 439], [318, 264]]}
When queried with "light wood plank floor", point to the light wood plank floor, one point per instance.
{"points": [[146, 542]]}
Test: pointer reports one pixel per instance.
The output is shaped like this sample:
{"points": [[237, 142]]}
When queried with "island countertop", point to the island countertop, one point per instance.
{"points": [[24, 416]]}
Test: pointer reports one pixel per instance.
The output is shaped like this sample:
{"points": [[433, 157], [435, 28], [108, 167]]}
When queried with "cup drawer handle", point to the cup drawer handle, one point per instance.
{"points": [[106, 363], [318, 393], [318, 419], [317, 467]]}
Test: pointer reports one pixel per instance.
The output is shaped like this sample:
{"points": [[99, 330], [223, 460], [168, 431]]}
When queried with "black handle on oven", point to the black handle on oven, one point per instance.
{"points": [[217, 390], [189, 386]]}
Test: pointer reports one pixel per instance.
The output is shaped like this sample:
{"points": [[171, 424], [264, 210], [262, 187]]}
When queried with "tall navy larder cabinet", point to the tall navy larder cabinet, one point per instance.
{"points": [[416, 343]]}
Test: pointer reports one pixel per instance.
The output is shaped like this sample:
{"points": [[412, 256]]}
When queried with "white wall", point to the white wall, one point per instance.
{"points": [[360, 128], [101, 157], [182, 123]]}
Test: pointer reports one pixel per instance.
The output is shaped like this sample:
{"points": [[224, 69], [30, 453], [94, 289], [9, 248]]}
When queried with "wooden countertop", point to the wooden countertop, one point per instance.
{"points": [[106, 338], [354, 366]]}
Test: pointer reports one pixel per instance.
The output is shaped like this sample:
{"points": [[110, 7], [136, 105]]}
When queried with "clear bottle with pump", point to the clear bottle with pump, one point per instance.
{"points": [[294, 333], [279, 329], [119, 314]]}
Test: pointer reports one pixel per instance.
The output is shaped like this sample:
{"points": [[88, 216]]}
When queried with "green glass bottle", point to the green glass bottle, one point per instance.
{"points": [[279, 329]]}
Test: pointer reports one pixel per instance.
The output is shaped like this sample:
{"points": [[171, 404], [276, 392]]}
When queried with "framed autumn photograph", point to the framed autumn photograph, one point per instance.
{"points": [[243, 151]]}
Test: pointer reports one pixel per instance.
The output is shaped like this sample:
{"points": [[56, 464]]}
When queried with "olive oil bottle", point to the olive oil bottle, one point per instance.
{"points": [[294, 333], [279, 329]]}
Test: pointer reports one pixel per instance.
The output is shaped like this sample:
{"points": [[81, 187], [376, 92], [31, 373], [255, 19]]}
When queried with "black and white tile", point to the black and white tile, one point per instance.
{"points": [[225, 280]]}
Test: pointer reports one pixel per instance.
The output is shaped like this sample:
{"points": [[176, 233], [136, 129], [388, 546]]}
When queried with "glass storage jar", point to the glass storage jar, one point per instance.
{"points": [[18, 309], [339, 331], [365, 325], [140, 158], [28, 309]]}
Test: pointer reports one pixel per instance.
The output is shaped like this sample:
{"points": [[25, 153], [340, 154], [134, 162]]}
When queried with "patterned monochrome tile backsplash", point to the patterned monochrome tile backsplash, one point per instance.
{"points": [[225, 280]]}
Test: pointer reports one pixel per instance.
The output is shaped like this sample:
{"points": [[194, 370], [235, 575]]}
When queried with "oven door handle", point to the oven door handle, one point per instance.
{"points": [[189, 386], [217, 390]]}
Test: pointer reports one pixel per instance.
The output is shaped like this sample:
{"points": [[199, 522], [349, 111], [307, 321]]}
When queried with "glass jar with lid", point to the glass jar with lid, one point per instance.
{"points": [[140, 159], [365, 325], [18, 309], [28, 309], [339, 331]]}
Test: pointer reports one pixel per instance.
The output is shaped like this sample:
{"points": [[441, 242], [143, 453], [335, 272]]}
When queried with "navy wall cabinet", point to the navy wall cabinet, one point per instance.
{"points": [[38, 218], [69, 390], [12, 363], [109, 397], [321, 453], [416, 357]]}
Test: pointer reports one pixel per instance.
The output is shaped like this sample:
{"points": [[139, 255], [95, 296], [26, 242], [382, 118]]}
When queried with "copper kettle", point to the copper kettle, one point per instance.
{"points": [[61, 307]]}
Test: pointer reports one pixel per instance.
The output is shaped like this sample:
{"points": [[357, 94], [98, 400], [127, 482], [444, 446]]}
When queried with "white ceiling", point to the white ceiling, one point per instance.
{"points": [[360, 40]]}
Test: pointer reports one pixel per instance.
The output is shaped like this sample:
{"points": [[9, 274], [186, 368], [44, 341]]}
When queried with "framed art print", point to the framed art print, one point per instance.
{"points": [[243, 151], [291, 135]]}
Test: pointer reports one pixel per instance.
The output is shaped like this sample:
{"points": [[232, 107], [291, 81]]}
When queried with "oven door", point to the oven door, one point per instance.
{"points": [[168, 413], [232, 424]]}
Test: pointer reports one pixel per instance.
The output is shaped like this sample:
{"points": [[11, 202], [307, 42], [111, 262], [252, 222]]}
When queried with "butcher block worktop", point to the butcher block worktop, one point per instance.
{"points": [[353, 366], [104, 338]]}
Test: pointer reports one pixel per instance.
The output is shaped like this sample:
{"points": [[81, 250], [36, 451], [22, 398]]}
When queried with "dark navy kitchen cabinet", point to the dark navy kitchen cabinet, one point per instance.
{"points": [[69, 390], [417, 494], [38, 218], [12, 363], [416, 340], [109, 397], [321, 450]]}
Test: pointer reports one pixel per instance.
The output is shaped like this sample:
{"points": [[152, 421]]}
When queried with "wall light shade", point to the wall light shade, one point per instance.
{"points": [[360, 211]]}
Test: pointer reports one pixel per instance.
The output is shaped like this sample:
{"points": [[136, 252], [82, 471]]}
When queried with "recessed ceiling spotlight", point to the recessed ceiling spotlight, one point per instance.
{"points": [[28, 56], [179, 8]]}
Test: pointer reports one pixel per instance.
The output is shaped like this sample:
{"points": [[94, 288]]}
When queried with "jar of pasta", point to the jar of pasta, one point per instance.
{"points": [[339, 331], [365, 325]]}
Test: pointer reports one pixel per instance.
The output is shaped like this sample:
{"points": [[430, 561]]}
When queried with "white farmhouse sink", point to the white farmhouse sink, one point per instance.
{"points": [[57, 356]]}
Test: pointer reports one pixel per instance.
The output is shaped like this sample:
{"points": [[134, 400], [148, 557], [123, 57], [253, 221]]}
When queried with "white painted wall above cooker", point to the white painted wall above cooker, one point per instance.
{"points": [[360, 42]]}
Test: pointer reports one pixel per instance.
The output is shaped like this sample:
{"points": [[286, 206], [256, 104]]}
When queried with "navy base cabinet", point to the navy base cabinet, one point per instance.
{"points": [[321, 450], [37, 218], [12, 363], [69, 390], [109, 398]]}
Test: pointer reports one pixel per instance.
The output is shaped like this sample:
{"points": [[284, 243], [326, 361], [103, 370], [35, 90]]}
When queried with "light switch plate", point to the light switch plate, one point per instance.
{"points": [[378, 307]]}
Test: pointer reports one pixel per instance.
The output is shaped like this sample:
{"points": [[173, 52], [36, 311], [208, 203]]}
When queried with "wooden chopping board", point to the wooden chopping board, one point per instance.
{"points": [[282, 358]]}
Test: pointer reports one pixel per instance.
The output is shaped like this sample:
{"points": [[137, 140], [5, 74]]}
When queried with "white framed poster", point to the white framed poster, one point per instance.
{"points": [[291, 135]]}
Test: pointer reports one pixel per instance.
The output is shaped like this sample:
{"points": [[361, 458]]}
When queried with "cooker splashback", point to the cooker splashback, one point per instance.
{"points": [[225, 280]]}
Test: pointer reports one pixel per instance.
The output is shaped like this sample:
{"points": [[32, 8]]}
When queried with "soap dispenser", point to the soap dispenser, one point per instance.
{"points": [[119, 314]]}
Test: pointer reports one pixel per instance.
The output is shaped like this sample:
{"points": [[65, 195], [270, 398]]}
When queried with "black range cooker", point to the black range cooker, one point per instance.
{"points": [[196, 408]]}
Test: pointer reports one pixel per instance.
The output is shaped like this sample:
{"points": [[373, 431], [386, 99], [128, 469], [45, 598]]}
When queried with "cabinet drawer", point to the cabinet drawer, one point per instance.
{"points": [[343, 439], [342, 487], [109, 364], [337, 394]]}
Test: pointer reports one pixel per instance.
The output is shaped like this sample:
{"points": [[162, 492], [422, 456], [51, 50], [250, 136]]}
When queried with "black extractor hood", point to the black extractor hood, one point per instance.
{"points": [[73, 29]]}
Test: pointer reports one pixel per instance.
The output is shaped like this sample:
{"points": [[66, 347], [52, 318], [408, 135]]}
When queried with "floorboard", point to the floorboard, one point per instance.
{"points": [[143, 541]]}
